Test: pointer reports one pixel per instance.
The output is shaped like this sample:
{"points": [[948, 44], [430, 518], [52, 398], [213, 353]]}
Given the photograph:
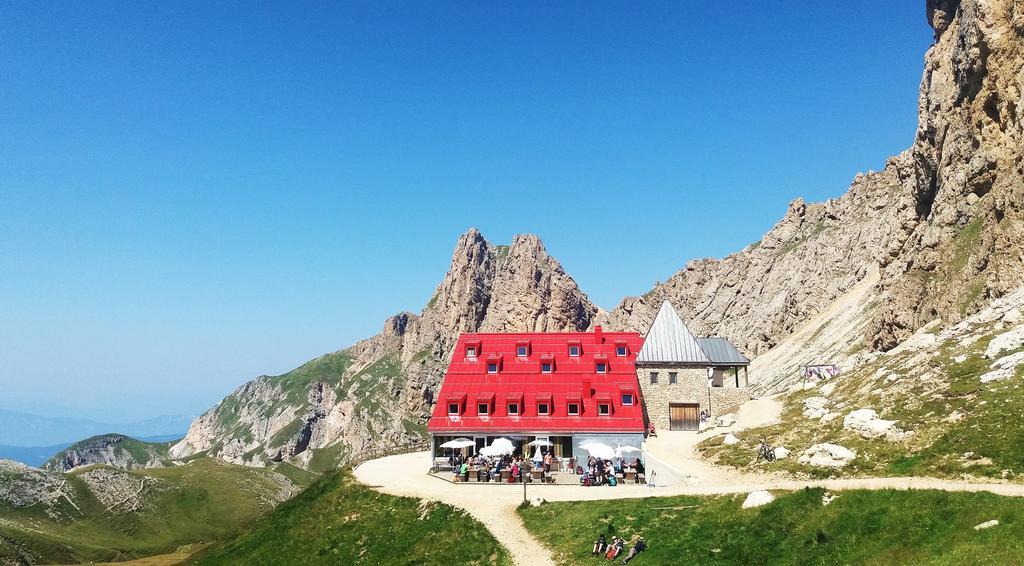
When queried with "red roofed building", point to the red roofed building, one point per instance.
{"points": [[564, 387]]}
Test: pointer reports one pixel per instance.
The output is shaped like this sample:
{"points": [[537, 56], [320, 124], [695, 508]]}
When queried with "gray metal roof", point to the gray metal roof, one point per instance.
{"points": [[669, 341], [722, 352]]}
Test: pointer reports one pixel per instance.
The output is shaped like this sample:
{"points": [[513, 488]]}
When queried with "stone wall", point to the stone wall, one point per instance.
{"points": [[691, 387], [725, 400]]}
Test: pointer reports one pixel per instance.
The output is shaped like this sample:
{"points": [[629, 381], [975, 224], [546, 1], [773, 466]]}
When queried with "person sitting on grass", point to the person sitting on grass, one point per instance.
{"points": [[639, 547], [615, 548], [600, 545]]}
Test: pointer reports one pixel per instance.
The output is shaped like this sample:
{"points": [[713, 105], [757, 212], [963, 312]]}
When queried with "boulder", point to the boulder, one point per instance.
{"points": [[781, 452], [537, 502], [1009, 340], [866, 423], [757, 499], [727, 420], [827, 455], [816, 407], [730, 440], [1012, 316]]}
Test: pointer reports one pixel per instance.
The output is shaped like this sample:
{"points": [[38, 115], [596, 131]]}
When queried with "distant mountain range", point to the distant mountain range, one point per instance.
{"points": [[35, 432]]}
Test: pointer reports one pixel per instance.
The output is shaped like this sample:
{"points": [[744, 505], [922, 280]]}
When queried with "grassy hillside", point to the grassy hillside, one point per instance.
{"points": [[957, 424], [114, 449], [858, 527], [339, 521], [203, 500]]}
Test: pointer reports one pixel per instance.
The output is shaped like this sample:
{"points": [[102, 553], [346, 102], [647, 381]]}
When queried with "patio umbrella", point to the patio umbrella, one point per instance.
{"points": [[458, 443], [627, 449], [540, 442], [599, 450], [491, 451], [504, 445]]}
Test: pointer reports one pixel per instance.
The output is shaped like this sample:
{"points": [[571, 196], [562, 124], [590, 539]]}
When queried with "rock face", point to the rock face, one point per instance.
{"points": [[943, 223], [379, 392], [115, 450], [866, 423]]}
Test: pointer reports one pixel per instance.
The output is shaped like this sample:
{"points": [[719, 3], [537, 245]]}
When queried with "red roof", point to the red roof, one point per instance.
{"points": [[519, 380]]}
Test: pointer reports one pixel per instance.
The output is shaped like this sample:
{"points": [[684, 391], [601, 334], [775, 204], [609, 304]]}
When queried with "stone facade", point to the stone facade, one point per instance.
{"points": [[691, 386]]}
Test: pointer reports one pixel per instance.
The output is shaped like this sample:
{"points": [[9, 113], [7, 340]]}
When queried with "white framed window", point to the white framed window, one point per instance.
{"points": [[673, 378], [542, 408], [654, 378], [513, 409], [602, 367], [546, 367], [471, 352], [574, 351], [522, 350], [620, 350], [573, 409], [483, 409], [627, 399], [604, 409], [492, 367], [453, 408]]}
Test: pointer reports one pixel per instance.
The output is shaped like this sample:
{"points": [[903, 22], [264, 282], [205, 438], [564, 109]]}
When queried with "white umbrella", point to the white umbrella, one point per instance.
{"points": [[627, 449], [458, 443], [536, 455], [599, 450], [540, 442], [491, 451], [504, 445]]}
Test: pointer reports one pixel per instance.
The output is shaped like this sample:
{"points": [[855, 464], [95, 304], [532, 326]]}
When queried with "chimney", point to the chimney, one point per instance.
{"points": [[598, 336]]}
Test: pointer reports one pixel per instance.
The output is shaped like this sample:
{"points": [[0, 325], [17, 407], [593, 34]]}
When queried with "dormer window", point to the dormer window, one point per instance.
{"points": [[494, 363], [621, 349], [523, 349], [574, 349], [604, 409], [471, 352], [455, 404], [602, 367], [482, 409], [542, 408], [544, 404], [627, 399], [472, 348], [484, 401], [600, 363], [573, 409], [453, 409], [547, 363], [513, 409]]}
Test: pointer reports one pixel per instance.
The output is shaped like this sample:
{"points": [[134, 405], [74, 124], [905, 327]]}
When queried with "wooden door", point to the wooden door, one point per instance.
{"points": [[684, 416]]}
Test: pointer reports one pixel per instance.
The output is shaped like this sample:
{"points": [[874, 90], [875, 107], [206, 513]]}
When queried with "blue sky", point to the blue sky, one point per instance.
{"points": [[195, 194]]}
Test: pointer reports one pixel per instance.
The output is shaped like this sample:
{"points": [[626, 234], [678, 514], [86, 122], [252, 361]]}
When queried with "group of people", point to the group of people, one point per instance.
{"points": [[491, 468], [613, 549], [603, 472]]}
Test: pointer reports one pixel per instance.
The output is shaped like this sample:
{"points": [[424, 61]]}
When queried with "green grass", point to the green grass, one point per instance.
{"points": [[859, 527], [339, 521], [204, 500]]}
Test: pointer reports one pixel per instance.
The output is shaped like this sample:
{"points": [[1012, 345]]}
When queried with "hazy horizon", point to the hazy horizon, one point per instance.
{"points": [[196, 195]]}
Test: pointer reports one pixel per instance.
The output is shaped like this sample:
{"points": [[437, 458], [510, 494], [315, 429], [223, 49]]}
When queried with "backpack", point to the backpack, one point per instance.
{"points": [[612, 480]]}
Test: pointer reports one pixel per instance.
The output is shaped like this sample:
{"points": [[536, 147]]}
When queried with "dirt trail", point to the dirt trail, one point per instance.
{"points": [[494, 504]]}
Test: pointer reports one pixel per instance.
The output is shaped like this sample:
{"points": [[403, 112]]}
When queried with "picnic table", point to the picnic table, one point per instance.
{"points": [[474, 474], [537, 474], [631, 475]]}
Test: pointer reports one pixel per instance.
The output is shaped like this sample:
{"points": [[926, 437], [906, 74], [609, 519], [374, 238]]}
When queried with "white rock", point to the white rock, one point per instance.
{"points": [[727, 420], [828, 388], [827, 455], [986, 525], [781, 452], [730, 440], [827, 498], [537, 502], [1012, 316], [1009, 362], [866, 423], [1009, 340], [816, 407], [757, 499], [829, 417], [996, 375]]}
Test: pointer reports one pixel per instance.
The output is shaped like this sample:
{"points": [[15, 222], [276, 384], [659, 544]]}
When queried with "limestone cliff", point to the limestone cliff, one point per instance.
{"points": [[116, 450], [379, 392], [943, 222]]}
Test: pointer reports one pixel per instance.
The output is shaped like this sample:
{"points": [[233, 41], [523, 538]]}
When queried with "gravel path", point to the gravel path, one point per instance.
{"points": [[494, 504]]}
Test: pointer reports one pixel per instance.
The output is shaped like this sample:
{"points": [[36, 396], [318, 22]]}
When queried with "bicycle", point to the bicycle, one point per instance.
{"points": [[765, 451]]}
